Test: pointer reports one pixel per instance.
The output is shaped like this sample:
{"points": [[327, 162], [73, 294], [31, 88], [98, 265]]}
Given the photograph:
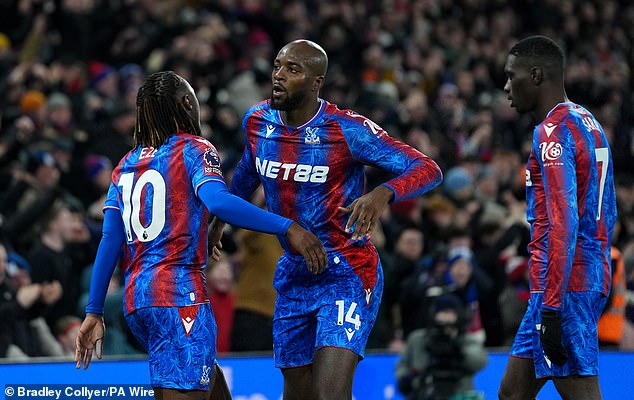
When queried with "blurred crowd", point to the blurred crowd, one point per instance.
{"points": [[429, 72]]}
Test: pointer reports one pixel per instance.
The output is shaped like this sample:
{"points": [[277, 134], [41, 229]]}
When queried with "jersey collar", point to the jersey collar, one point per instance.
{"points": [[322, 105]]}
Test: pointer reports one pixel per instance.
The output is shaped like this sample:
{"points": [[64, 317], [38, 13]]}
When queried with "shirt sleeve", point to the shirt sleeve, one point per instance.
{"points": [[202, 162], [556, 158], [106, 260], [415, 172], [236, 211], [112, 198], [245, 178]]}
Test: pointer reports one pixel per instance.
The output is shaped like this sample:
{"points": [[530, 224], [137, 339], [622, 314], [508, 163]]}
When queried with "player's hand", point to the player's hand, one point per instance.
{"points": [[366, 210], [90, 336], [213, 238], [309, 246], [550, 335]]}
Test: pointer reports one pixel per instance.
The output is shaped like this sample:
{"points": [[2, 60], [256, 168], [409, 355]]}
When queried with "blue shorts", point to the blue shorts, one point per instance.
{"points": [[334, 311], [580, 313], [181, 344]]}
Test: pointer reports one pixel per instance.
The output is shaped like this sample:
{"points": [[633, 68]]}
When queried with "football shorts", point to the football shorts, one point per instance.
{"points": [[580, 313], [181, 344], [335, 310]]}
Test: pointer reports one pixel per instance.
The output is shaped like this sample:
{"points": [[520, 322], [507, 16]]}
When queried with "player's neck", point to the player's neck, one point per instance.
{"points": [[301, 114], [549, 103]]}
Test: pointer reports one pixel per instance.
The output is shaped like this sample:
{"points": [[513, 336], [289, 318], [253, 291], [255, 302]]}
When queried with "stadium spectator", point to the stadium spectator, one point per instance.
{"points": [[51, 258], [24, 331]]}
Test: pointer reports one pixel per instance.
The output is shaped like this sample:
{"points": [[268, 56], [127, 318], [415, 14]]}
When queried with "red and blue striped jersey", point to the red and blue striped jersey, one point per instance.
{"points": [[308, 171], [571, 205], [165, 222]]}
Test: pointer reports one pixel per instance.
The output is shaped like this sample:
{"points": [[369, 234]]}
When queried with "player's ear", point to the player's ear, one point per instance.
{"points": [[318, 82], [187, 102], [537, 75]]}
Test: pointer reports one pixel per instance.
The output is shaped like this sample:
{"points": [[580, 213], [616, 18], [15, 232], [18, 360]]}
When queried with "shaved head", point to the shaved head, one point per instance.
{"points": [[312, 54], [299, 72], [543, 52]]}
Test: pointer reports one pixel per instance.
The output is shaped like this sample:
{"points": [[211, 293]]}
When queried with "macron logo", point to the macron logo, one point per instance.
{"points": [[549, 128], [188, 322], [269, 130], [188, 315]]}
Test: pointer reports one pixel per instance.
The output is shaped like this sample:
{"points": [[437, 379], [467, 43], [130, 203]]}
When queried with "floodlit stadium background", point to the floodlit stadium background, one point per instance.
{"points": [[430, 73]]}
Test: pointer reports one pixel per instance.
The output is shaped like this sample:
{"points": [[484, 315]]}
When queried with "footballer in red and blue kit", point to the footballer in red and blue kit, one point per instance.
{"points": [[167, 251], [158, 205], [571, 210], [307, 173]]}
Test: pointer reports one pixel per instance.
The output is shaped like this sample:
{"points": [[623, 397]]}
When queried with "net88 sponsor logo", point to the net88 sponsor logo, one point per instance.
{"points": [[294, 172]]}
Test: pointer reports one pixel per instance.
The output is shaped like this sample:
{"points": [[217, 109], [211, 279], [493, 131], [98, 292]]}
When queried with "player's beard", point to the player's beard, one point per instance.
{"points": [[288, 102]]}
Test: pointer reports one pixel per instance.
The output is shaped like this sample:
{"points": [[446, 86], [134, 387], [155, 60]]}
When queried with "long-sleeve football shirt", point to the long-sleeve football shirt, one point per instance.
{"points": [[571, 205], [308, 171]]}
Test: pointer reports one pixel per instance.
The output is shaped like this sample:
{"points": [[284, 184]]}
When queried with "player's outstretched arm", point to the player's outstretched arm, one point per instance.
{"points": [[235, 210], [91, 335], [309, 246]]}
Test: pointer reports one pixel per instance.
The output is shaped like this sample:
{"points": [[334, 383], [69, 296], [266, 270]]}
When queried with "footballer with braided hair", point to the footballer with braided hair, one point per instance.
{"points": [[155, 215], [163, 107]]}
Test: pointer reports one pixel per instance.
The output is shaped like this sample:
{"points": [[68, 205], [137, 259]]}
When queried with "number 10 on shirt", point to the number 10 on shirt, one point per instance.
{"points": [[132, 206]]}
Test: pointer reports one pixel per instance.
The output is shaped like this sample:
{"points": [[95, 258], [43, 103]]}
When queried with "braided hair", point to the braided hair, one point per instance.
{"points": [[159, 112]]}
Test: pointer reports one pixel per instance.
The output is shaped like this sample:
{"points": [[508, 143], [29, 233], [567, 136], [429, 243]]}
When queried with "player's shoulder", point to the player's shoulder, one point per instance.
{"points": [[195, 141], [569, 111], [552, 127], [184, 137], [127, 160], [558, 115], [342, 115], [349, 118], [358, 124], [579, 111], [260, 109], [584, 119]]}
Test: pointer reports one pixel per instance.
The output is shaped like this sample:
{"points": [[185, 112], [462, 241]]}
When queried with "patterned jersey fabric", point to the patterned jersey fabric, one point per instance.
{"points": [[309, 171], [165, 222], [571, 205]]}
